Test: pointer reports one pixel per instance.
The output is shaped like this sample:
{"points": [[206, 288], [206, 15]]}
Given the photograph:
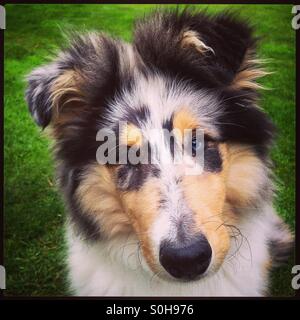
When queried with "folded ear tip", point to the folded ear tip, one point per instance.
{"points": [[40, 112], [207, 47], [38, 93]]}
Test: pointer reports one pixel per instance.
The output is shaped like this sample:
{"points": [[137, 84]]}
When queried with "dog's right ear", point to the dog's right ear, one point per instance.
{"points": [[39, 91], [84, 75]]}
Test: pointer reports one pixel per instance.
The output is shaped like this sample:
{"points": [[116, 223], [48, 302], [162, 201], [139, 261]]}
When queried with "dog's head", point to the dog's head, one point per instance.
{"points": [[183, 71]]}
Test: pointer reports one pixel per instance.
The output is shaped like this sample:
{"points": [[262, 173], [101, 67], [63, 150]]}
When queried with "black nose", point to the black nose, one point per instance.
{"points": [[186, 261]]}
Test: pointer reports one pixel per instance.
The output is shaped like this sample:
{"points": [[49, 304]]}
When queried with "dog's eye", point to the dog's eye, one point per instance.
{"points": [[198, 145]]}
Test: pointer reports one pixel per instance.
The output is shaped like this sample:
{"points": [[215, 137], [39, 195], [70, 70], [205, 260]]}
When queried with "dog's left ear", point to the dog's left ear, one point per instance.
{"points": [[215, 51]]}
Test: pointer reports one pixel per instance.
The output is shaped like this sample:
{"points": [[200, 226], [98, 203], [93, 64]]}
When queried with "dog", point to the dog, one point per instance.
{"points": [[152, 229]]}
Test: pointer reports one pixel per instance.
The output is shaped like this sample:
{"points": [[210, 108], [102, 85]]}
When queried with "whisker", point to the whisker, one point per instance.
{"points": [[156, 274], [243, 237]]}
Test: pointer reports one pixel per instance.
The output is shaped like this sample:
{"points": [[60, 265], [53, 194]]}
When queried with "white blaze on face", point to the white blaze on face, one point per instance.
{"points": [[173, 213], [163, 98]]}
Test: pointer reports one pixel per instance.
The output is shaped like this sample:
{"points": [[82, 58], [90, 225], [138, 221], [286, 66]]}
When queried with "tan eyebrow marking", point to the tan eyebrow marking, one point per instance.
{"points": [[183, 119]]}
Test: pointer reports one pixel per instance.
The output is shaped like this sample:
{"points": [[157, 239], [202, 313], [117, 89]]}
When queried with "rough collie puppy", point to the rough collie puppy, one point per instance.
{"points": [[151, 229]]}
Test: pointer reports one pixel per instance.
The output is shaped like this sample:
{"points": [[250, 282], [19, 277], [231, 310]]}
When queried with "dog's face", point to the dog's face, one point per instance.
{"points": [[183, 72]]}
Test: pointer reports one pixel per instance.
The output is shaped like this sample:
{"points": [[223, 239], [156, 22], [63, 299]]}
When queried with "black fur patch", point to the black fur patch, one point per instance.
{"points": [[241, 121], [137, 117], [212, 160], [132, 177], [169, 139], [79, 146], [168, 124], [101, 68]]}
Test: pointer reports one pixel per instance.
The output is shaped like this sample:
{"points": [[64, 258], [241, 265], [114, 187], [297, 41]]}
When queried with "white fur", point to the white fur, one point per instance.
{"points": [[117, 267], [163, 97]]}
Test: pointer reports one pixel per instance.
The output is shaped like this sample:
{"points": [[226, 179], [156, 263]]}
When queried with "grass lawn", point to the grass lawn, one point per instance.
{"points": [[34, 213]]}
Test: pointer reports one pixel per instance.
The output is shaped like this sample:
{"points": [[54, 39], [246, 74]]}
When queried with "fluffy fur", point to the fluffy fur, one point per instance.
{"points": [[183, 70]]}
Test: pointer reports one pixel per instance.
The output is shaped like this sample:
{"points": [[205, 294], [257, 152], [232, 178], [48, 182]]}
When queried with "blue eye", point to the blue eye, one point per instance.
{"points": [[208, 144], [195, 146]]}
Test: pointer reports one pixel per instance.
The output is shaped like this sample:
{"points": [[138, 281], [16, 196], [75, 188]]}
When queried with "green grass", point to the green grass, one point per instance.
{"points": [[34, 214]]}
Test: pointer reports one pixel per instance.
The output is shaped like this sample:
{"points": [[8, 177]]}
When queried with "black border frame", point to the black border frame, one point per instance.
{"points": [[141, 300]]}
